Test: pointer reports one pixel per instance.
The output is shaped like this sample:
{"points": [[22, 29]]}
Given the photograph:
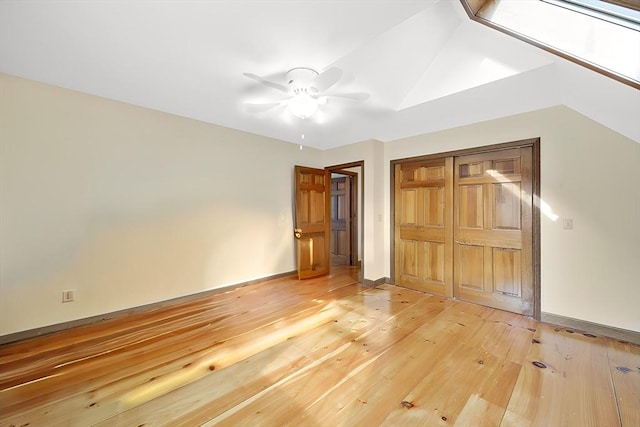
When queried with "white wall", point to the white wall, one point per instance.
{"points": [[129, 206], [588, 173]]}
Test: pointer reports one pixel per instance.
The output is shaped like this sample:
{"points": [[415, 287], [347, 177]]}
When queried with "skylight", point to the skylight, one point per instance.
{"points": [[605, 10], [598, 34]]}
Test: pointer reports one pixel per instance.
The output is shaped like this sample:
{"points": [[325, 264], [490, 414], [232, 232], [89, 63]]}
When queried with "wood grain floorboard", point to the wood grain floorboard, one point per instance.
{"points": [[565, 380], [92, 389], [624, 363], [354, 315], [327, 379], [321, 352]]}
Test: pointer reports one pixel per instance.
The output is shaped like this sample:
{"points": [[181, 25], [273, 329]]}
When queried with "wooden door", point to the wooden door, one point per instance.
{"points": [[341, 220], [493, 229], [313, 221], [424, 226]]}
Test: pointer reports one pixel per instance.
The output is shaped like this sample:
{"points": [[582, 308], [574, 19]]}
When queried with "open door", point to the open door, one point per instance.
{"points": [[313, 221]]}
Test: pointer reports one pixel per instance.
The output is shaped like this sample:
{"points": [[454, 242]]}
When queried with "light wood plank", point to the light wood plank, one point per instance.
{"points": [[565, 381], [624, 362], [300, 391], [92, 383], [323, 352], [226, 388], [367, 398]]}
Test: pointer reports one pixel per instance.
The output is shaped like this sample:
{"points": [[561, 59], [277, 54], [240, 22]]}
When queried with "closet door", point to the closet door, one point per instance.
{"points": [[424, 226], [493, 229]]}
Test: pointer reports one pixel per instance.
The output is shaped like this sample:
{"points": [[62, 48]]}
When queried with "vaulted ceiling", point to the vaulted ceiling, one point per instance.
{"points": [[424, 63]]}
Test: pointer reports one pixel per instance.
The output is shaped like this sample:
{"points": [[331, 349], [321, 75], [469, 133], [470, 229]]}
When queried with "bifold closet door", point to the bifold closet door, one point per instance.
{"points": [[424, 226], [493, 229]]}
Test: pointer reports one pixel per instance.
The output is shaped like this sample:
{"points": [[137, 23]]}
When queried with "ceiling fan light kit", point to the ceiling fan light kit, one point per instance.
{"points": [[303, 105]]}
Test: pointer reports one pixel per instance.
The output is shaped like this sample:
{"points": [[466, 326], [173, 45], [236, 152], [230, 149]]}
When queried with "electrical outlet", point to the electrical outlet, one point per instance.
{"points": [[67, 296], [567, 223]]}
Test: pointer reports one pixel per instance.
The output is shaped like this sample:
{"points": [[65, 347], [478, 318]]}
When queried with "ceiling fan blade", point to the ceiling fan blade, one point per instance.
{"points": [[259, 108], [267, 82], [357, 96], [326, 79]]}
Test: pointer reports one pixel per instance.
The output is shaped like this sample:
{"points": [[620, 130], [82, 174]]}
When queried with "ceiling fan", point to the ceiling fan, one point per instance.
{"points": [[306, 91]]}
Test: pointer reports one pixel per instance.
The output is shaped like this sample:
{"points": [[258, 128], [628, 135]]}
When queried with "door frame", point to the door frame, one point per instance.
{"points": [[340, 168], [531, 142]]}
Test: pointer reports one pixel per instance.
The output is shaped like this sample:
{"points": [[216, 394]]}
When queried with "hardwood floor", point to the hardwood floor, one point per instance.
{"points": [[322, 352]]}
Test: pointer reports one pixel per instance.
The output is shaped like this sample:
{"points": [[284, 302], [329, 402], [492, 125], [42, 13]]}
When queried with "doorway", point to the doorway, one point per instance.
{"points": [[344, 218], [347, 205], [465, 225], [313, 214]]}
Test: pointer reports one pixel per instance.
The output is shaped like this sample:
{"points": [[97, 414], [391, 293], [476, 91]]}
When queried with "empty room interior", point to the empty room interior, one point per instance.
{"points": [[320, 213]]}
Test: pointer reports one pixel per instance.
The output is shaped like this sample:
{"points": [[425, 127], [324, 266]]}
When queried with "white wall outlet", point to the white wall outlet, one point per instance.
{"points": [[67, 296], [567, 223]]}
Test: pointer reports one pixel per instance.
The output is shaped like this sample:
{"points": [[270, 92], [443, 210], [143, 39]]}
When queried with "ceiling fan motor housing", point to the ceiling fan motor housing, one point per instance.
{"points": [[300, 79]]}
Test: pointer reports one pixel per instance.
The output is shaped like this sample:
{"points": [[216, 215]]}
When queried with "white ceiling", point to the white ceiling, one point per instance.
{"points": [[426, 65]]}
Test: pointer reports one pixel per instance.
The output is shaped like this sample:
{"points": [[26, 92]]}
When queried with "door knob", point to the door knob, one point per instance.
{"points": [[297, 232]]}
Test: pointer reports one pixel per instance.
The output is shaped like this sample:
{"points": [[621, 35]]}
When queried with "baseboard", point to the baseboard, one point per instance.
{"points": [[374, 283], [593, 328], [50, 329]]}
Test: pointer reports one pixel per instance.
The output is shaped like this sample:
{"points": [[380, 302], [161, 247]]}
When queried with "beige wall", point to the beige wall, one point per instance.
{"points": [[129, 206], [371, 152], [588, 173]]}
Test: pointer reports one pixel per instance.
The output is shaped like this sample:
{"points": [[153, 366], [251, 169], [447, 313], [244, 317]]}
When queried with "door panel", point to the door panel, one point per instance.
{"points": [[409, 213], [341, 221], [493, 229], [433, 203], [471, 207], [506, 271], [423, 226], [506, 206], [410, 259], [435, 265], [312, 229], [470, 263]]}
